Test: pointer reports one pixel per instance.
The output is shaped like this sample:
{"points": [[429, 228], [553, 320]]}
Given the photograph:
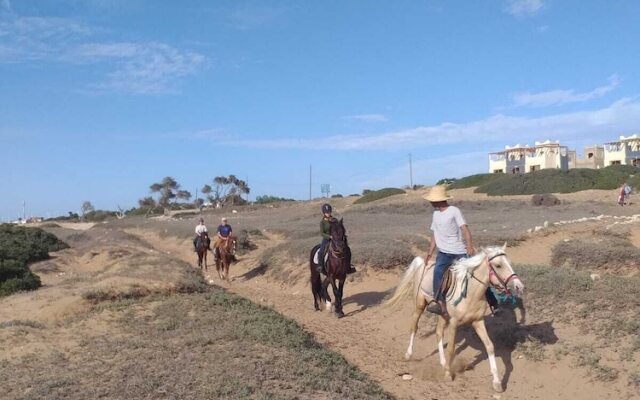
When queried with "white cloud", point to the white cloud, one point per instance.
{"points": [[367, 117], [621, 116], [559, 97], [140, 68], [133, 67], [523, 8]]}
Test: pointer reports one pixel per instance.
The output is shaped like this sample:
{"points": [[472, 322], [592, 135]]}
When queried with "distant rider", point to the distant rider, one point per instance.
{"points": [[201, 232], [224, 231], [449, 227]]}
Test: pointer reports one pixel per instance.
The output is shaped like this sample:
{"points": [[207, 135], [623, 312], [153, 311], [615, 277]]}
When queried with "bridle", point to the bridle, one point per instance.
{"points": [[492, 272]]}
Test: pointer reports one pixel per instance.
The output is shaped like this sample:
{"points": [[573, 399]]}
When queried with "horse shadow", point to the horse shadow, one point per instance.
{"points": [[507, 332], [260, 270], [365, 300]]}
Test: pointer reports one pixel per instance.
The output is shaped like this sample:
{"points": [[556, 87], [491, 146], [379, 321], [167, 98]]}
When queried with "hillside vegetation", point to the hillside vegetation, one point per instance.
{"points": [[549, 181], [18, 247], [378, 194]]}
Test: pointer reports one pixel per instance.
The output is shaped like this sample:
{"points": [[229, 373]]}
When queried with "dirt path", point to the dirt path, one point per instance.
{"points": [[375, 339]]}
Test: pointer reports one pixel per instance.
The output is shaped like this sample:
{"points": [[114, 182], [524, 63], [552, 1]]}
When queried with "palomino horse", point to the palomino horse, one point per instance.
{"points": [[202, 246], [466, 303], [226, 253], [338, 261]]}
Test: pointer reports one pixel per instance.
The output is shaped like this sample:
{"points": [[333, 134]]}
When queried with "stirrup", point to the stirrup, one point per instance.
{"points": [[435, 308]]}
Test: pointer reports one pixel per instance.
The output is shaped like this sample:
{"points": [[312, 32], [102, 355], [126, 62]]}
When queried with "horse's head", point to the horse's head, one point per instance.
{"points": [[338, 234], [230, 244], [501, 272]]}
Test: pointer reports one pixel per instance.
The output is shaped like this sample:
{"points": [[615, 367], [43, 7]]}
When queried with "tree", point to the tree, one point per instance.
{"points": [[206, 190], [87, 207], [167, 188], [229, 189], [147, 202], [183, 195]]}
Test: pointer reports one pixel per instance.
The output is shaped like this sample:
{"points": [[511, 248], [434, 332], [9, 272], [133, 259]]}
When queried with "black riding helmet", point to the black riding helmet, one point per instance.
{"points": [[326, 208]]}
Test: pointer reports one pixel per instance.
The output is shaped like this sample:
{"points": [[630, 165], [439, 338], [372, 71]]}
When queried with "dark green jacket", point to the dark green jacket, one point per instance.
{"points": [[325, 228]]}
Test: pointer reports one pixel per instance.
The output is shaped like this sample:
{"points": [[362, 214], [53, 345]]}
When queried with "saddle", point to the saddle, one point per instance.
{"points": [[445, 286], [316, 257]]}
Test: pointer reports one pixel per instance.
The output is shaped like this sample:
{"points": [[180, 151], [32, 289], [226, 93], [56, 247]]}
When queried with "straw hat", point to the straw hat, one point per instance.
{"points": [[436, 194]]}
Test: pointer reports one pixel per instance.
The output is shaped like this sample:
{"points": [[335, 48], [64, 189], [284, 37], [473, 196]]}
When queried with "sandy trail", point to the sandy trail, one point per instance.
{"points": [[375, 339]]}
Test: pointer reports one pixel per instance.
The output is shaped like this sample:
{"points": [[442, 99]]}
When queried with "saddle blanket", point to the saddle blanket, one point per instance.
{"points": [[316, 260]]}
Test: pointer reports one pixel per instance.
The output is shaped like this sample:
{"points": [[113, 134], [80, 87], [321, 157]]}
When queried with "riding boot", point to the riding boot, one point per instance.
{"points": [[320, 265], [351, 269]]}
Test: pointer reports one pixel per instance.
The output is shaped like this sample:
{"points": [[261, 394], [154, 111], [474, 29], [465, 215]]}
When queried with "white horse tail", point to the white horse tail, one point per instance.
{"points": [[408, 282]]}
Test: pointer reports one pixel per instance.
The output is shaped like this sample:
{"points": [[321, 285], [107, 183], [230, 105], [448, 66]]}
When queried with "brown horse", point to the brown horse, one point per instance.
{"points": [[202, 246], [466, 301], [226, 254], [338, 261]]}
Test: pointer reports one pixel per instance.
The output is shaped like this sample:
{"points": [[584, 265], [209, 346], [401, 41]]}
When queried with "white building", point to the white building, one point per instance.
{"points": [[625, 151], [520, 159]]}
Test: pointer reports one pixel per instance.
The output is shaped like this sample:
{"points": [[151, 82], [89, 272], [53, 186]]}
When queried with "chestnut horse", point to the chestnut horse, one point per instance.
{"points": [[226, 254], [202, 246], [338, 261], [466, 303]]}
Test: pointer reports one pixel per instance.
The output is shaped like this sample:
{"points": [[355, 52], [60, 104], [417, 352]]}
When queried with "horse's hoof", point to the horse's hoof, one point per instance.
{"points": [[497, 386], [448, 376], [339, 314], [407, 356]]}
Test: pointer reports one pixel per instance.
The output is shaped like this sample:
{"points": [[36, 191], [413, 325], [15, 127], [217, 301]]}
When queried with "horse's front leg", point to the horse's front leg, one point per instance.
{"points": [[338, 294], [451, 348], [481, 330], [440, 327], [325, 285], [206, 268], [421, 304]]}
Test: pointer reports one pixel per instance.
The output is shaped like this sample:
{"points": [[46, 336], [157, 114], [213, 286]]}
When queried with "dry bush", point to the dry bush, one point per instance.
{"points": [[607, 251], [546, 199]]}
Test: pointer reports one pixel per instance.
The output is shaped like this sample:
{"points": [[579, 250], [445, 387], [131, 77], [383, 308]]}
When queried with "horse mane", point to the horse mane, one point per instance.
{"points": [[465, 266]]}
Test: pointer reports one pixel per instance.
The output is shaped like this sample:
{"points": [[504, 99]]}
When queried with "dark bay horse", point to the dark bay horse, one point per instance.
{"points": [[202, 245], [226, 252], [336, 267]]}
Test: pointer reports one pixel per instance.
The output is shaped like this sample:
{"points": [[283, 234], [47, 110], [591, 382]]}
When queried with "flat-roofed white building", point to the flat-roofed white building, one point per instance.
{"points": [[625, 151], [519, 159]]}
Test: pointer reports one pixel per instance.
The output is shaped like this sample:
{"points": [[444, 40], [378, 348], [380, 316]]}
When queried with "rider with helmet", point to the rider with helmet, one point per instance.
{"points": [[201, 233], [325, 231]]}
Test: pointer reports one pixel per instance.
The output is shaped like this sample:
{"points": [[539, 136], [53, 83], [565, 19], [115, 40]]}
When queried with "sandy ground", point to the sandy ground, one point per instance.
{"points": [[372, 338], [375, 339]]}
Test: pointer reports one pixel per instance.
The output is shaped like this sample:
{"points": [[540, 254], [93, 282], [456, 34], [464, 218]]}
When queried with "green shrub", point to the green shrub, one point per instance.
{"points": [[551, 181], [476, 180], [270, 199], [378, 194], [18, 247]]}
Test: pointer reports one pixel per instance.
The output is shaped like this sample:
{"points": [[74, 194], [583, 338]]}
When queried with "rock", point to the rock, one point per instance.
{"points": [[546, 224], [234, 211], [210, 281], [529, 230], [407, 377], [594, 277], [537, 228]]}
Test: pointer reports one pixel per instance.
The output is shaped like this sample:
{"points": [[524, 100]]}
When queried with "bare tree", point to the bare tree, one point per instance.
{"points": [[87, 207]]}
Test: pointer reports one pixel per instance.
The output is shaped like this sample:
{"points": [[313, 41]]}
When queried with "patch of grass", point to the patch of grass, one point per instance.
{"points": [[206, 345], [20, 322], [532, 349], [634, 379], [378, 194]]}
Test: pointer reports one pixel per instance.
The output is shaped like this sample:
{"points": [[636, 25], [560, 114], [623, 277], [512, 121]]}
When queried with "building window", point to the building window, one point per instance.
{"points": [[590, 155], [534, 168], [616, 162], [497, 171]]}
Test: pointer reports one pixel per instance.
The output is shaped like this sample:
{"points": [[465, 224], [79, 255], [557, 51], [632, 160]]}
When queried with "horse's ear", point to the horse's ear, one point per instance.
{"points": [[504, 246]]}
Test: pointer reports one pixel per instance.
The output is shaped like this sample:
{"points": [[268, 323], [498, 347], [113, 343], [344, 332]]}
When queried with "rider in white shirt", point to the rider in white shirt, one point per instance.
{"points": [[200, 229]]}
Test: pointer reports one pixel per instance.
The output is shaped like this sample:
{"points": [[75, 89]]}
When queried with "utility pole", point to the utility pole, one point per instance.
{"points": [[309, 181], [247, 184], [24, 210], [410, 172]]}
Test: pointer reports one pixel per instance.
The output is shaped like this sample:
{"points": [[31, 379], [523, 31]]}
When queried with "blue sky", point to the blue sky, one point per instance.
{"points": [[101, 98]]}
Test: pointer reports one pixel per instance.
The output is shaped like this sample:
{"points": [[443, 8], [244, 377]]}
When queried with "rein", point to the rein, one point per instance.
{"points": [[492, 272]]}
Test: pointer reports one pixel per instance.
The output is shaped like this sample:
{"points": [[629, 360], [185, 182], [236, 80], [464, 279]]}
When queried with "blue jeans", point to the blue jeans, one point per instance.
{"points": [[443, 262], [323, 247]]}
